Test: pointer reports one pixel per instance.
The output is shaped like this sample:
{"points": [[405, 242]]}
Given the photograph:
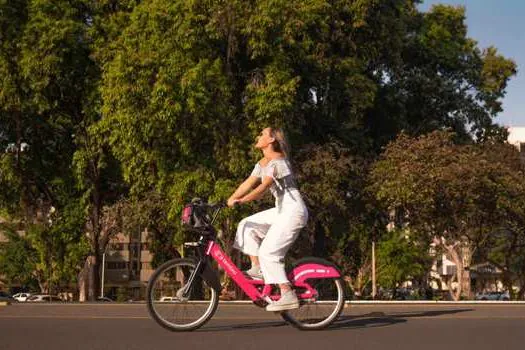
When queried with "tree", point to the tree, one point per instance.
{"points": [[103, 100], [400, 259], [453, 195], [505, 246], [44, 61], [442, 79], [18, 260]]}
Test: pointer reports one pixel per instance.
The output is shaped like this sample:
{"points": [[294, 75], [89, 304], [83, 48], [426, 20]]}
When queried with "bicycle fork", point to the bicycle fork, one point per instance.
{"points": [[206, 272]]}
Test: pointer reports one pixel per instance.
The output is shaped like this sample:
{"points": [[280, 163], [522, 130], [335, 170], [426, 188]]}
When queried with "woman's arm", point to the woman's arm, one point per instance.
{"points": [[258, 191], [243, 188]]}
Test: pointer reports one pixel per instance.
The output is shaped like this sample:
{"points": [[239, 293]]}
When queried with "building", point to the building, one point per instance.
{"points": [[517, 137], [127, 267]]}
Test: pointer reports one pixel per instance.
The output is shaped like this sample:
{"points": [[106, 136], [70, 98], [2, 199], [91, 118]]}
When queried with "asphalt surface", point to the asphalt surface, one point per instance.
{"points": [[400, 326]]}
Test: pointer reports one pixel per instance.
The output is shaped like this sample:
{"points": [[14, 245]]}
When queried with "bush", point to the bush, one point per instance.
{"points": [[122, 294]]}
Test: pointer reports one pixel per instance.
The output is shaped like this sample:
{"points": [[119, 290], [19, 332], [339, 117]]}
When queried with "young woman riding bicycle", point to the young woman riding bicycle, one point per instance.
{"points": [[183, 293], [266, 236]]}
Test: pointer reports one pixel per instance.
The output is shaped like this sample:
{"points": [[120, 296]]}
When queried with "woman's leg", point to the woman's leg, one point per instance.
{"points": [[251, 231], [278, 240], [273, 249]]}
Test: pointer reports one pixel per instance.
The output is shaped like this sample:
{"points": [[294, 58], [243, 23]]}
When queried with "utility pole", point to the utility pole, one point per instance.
{"points": [[103, 270], [374, 289]]}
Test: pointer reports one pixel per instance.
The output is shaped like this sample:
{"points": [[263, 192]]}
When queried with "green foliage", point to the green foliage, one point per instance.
{"points": [[122, 294], [449, 189], [159, 101], [443, 80], [462, 193], [61, 246], [18, 259], [400, 258]]}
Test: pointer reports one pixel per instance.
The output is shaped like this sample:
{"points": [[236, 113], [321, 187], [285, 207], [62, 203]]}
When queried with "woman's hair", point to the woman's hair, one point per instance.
{"points": [[280, 144]]}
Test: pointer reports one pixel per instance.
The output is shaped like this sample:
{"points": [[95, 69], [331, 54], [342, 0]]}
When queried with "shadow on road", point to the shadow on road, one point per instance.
{"points": [[380, 319], [237, 327], [369, 320]]}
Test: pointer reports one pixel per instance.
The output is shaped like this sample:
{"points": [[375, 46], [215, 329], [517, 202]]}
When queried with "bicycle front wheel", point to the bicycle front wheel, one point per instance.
{"points": [[169, 307]]}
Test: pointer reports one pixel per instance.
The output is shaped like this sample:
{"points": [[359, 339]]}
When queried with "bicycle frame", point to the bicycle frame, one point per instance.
{"points": [[298, 276], [246, 284]]}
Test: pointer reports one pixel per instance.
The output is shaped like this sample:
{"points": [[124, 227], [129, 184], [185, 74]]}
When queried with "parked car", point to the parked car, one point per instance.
{"points": [[6, 297], [22, 296], [42, 298], [166, 299], [105, 300], [493, 296]]}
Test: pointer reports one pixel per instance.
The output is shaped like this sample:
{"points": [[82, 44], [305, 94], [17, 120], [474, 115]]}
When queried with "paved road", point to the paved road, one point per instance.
{"points": [[127, 326]]}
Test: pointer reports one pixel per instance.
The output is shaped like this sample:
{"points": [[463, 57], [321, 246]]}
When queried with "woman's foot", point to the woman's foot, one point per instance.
{"points": [[255, 272], [288, 301]]}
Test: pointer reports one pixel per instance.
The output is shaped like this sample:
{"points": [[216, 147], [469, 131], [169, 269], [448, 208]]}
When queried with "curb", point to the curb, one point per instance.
{"points": [[433, 302], [406, 302], [347, 302]]}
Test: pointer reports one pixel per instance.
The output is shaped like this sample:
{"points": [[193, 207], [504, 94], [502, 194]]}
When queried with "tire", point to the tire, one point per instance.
{"points": [[174, 314], [324, 310]]}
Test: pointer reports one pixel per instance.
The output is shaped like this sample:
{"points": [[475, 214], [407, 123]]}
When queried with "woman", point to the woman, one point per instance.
{"points": [[266, 236]]}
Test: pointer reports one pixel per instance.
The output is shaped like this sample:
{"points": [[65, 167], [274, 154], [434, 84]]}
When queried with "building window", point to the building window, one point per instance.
{"points": [[117, 265], [117, 246], [134, 250]]}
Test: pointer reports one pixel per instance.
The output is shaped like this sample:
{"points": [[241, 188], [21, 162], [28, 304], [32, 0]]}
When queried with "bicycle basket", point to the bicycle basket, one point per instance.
{"points": [[194, 215]]}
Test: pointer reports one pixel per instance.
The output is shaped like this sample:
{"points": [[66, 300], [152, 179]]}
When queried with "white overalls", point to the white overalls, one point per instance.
{"points": [[270, 233]]}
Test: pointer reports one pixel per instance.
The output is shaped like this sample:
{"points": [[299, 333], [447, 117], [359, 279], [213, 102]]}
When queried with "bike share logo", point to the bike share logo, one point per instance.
{"points": [[226, 264]]}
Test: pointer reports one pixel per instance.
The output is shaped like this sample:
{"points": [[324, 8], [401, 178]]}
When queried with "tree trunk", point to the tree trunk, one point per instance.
{"points": [[82, 283], [507, 282], [454, 255], [89, 279], [93, 277], [466, 259], [361, 280]]}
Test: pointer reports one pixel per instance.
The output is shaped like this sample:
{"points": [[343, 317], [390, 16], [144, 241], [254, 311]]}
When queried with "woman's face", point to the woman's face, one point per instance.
{"points": [[264, 139]]}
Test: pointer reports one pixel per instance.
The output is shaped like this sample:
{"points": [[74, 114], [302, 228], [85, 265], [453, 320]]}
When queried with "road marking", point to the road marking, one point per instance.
{"points": [[127, 317], [346, 319]]}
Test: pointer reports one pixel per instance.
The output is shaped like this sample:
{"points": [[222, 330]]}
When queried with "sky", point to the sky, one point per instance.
{"points": [[499, 23]]}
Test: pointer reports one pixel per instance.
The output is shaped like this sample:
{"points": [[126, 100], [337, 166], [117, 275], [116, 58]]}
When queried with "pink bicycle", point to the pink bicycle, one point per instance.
{"points": [[183, 294]]}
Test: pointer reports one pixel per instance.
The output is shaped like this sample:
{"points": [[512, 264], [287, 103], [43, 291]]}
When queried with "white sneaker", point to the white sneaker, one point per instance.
{"points": [[288, 301], [255, 272]]}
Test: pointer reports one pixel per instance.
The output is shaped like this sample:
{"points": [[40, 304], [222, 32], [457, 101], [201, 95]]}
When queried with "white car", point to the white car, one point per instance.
{"points": [[21, 296], [166, 299], [493, 296], [42, 298]]}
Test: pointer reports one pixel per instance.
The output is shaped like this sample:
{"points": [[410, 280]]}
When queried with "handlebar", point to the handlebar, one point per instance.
{"points": [[215, 207]]}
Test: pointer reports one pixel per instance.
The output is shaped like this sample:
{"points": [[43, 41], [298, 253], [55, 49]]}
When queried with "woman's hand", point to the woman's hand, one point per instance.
{"points": [[233, 202]]}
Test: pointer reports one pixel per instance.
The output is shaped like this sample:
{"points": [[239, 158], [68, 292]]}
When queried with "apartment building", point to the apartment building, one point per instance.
{"points": [[127, 266]]}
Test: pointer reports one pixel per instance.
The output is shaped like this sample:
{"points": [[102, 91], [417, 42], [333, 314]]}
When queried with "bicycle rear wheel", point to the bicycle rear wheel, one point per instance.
{"points": [[320, 311], [169, 308]]}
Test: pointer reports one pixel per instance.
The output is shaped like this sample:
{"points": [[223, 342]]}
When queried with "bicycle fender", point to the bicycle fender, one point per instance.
{"points": [[310, 270], [211, 277]]}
